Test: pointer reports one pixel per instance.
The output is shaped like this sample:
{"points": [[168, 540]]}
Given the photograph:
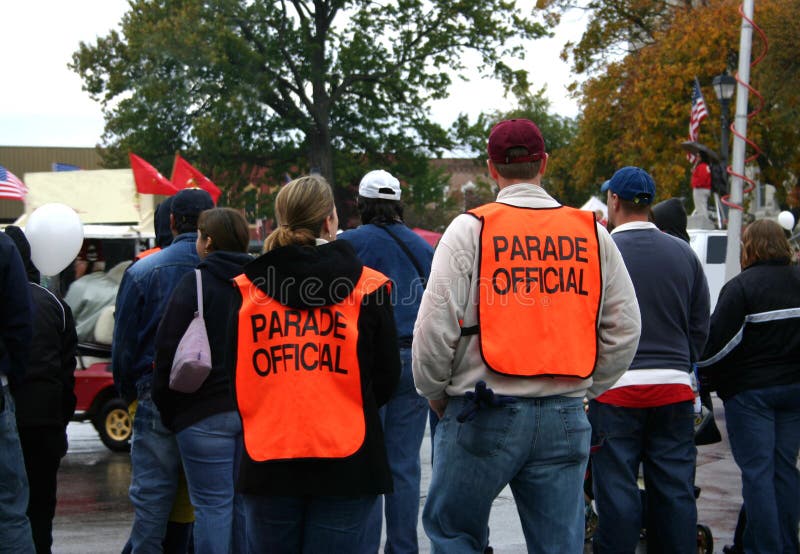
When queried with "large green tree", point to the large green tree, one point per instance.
{"points": [[322, 84]]}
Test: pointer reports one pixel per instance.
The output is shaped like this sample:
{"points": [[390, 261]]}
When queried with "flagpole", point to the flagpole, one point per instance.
{"points": [[732, 264]]}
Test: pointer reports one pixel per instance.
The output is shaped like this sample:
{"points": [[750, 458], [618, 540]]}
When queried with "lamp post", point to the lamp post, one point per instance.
{"points": [[724, 87]]}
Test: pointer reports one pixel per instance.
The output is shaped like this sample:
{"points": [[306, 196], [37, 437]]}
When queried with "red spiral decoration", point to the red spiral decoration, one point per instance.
{"points": [[756, 149]]}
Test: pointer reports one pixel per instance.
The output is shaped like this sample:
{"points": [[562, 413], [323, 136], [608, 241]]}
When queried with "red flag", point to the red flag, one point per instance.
{"points": [[11, 186], [148, 179], [184, 175]]}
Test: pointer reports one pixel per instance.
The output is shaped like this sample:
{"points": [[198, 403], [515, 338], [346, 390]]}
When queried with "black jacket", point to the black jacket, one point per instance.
{"points": [[180, 410], [45, 396], [284, 274], [755, 331], [15, 311]]}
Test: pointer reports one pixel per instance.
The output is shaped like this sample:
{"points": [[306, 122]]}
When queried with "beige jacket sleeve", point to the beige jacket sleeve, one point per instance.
{"points": [[619, 324], [442, 359], [437, 329]]}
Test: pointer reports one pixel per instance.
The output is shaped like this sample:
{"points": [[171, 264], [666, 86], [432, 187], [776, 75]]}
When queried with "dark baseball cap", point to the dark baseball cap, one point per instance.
{"points": [[190, 202], [515, 133], [633, 184]]}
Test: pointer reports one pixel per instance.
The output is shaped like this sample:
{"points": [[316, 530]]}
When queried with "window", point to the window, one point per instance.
{"points": [[717, 245]]}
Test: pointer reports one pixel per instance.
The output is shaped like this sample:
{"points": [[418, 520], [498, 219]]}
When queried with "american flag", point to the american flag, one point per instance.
{"points": [[11, 186], [699, 113]]}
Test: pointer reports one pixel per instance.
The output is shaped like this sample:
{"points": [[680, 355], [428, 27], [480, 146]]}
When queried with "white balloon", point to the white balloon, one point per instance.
{"points": [[55, 234], [786, 220]]}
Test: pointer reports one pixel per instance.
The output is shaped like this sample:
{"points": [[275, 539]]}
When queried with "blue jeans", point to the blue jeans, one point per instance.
{"points": [[764, 432], [661, 439], [210, 450], [155, 467], [306, 525], [15, 529], [403, 419], [538, 446]]}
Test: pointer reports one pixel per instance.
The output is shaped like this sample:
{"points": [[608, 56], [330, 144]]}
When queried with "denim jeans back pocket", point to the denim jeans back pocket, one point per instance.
{"points": [[486, 434], [577, 429]]}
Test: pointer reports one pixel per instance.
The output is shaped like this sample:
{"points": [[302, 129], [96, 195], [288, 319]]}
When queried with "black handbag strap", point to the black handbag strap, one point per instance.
{"points": [[408, 252]]}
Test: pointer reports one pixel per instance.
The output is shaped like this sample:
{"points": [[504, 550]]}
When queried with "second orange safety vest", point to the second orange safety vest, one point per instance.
{"points": [[539, 290], [298, 380], [145, 253]]}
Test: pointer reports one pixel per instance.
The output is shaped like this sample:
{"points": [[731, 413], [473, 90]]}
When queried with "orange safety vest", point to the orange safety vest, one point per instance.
{"points": [[298, 380], [539, 290], [145, 253]]}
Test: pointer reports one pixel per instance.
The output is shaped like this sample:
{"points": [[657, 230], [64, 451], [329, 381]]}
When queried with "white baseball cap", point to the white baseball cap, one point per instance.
{"points": [[379, 184]]}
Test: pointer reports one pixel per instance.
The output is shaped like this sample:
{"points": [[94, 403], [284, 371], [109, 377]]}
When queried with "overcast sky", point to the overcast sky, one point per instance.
{"points": [[42, 104]]}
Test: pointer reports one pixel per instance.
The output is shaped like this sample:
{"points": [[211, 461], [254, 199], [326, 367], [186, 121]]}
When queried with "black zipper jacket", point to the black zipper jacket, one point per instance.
{"points": [[45, 396], [179, 410], [755, 331]]}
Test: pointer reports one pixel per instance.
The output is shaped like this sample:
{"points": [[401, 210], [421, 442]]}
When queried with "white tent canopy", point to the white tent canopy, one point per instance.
{"points": [[593, 204], [105, 197]]}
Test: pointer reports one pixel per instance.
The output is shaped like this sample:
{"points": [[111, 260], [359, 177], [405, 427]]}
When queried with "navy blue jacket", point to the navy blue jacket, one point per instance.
{"points": [[15, 311], [179, 410], [379, 251], [673, 298], [142, 298]]}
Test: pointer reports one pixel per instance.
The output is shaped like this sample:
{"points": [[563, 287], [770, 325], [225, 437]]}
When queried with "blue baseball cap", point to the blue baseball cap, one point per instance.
{"points": [[633, 184]]}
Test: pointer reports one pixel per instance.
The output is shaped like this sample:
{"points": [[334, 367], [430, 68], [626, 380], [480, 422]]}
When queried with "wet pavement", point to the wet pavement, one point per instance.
{"points": [[94, 514]]}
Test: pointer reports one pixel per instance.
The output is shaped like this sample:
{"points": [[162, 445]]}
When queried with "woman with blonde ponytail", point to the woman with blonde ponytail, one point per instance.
{"points": [[314, 356], [305, 213]]}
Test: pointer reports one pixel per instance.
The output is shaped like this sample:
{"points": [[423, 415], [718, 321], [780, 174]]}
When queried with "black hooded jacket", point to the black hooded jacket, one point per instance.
{"points": [[161, 223], [304, 276], [670, 217], [180, 410], [45, 396]]}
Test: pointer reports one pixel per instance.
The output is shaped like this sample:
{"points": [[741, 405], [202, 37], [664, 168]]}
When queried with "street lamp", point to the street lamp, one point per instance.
{"points": [[724, 87]]}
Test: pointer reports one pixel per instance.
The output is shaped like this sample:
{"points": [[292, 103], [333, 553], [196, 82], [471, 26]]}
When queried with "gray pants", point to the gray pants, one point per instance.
{"points": [[700, 197]]}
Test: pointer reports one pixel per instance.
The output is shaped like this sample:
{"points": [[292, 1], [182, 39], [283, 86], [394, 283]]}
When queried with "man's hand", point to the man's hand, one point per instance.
{"points": [[438, 406]]}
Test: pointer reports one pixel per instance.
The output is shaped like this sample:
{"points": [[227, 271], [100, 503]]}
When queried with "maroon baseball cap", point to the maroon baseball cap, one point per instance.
{"points": [[514, 133]]}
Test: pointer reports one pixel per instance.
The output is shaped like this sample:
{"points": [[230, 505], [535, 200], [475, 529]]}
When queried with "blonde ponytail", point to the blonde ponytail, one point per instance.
{"points": [[300, 209]]}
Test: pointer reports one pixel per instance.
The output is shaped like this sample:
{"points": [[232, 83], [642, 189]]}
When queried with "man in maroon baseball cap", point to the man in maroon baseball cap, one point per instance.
{"points": [[508, 139], [528, 308]]}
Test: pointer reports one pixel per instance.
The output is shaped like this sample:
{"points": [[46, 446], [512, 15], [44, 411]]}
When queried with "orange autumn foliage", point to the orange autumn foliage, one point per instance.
{"points": [[635, 111]]}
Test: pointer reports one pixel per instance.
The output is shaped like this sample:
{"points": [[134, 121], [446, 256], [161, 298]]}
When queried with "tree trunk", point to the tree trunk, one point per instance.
{"points": [[321, 152], [319, 139]]}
